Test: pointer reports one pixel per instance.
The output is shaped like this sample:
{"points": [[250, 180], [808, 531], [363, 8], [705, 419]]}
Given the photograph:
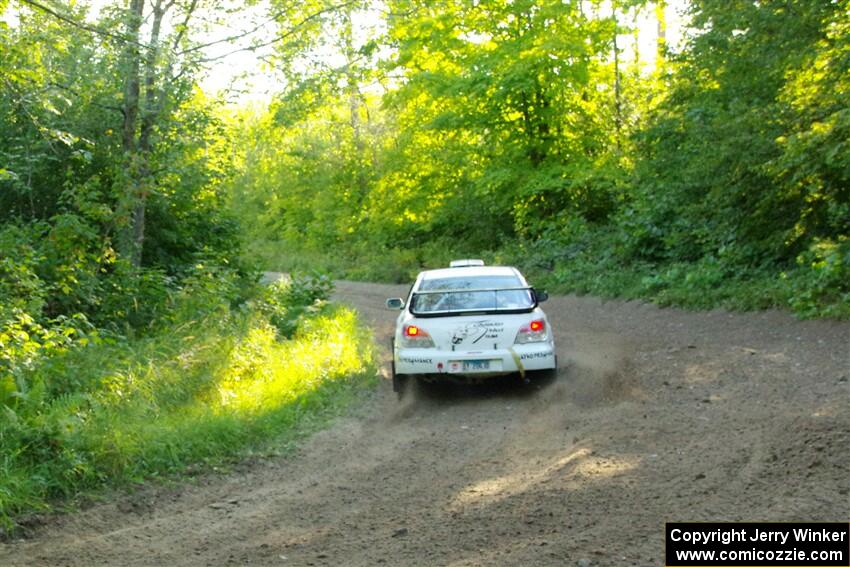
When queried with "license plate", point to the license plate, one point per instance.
{"points": [[470, 365], [473, 365]]}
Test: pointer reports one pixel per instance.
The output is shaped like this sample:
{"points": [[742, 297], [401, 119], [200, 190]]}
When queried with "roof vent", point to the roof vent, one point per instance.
{"points": [[465, 263]]}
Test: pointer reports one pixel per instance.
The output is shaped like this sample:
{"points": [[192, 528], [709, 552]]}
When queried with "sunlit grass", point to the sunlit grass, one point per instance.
{"points": [[202, 394], [264, 373]]}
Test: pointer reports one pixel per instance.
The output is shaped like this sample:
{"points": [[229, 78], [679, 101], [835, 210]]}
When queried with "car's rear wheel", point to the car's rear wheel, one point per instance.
{"points": [[401, 382]]}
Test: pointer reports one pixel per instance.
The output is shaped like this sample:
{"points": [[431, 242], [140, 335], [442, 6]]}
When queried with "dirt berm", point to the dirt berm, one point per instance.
{"points": [[659, 415]]}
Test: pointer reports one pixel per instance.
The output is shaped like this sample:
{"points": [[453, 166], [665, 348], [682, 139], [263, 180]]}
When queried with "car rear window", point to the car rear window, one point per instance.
{"points": [[470, 282], [471, 293]]}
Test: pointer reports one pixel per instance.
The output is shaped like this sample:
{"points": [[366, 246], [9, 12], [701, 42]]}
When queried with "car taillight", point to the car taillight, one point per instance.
{"points": [[411, 331], [533, 332], [416, 337]]}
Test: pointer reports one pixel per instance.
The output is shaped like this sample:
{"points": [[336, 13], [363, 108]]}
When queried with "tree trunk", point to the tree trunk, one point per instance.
{"points": [[131, 78], [130, 109], [636, 37], [618, 106], [355, 102], [661, 44], [149, 113], [139, 118]]}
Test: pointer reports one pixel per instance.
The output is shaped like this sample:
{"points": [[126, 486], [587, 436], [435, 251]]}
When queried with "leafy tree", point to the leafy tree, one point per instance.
{"points": [[107, 145], [706, 186], [506, 95], [813, 165]]}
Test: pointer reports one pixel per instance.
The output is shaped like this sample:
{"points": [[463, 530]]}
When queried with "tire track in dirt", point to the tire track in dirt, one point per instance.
{"points": [[660, 415]]}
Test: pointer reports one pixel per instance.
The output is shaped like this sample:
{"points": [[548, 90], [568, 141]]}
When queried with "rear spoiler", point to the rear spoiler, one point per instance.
{"points": [[442, 313]]}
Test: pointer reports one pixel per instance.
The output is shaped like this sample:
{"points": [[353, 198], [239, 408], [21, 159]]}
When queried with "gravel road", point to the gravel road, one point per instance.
{"points": [[656, 415]]}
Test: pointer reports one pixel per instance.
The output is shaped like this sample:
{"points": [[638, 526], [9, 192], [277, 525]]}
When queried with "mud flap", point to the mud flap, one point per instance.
{"points": [[519, 365]]}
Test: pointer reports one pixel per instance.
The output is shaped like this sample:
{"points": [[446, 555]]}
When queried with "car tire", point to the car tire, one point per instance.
{"points": [[400, 381], [400, 384]]}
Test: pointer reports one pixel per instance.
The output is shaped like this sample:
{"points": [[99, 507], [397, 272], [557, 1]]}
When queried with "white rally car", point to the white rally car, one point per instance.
{"points": [[470, 322]]}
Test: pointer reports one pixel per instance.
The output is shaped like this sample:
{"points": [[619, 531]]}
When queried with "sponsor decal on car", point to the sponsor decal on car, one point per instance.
{"points": [[413, 360], [532, 355], [474, 332]]}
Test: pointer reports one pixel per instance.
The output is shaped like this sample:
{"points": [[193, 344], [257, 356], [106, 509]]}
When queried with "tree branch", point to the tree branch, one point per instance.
{"points": [[246, 33], [91, 29], [181, 30], [77, 93]]}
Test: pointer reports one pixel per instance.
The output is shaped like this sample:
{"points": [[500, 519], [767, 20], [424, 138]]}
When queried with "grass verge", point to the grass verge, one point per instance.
{"points": [[200, 392]]}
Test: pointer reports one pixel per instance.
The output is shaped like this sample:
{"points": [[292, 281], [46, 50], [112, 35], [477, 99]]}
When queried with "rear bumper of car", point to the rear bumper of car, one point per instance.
{"points": [[527, 357]]}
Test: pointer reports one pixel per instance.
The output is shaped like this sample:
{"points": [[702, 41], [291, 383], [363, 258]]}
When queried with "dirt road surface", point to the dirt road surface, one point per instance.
{"points": [[656, 415]]}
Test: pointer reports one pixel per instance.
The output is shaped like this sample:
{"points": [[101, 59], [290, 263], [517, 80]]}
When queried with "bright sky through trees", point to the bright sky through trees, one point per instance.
{"points": [[257, 81], [245, 73]]}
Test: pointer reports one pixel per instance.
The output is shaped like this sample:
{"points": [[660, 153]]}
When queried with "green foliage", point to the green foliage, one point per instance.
{"points": [[502, 97], [64, 178], [722, 174], [821, 283]]}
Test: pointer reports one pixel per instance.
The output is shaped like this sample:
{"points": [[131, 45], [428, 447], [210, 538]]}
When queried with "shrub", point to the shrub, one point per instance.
{"points": [[286, 301], [821, 282]]}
